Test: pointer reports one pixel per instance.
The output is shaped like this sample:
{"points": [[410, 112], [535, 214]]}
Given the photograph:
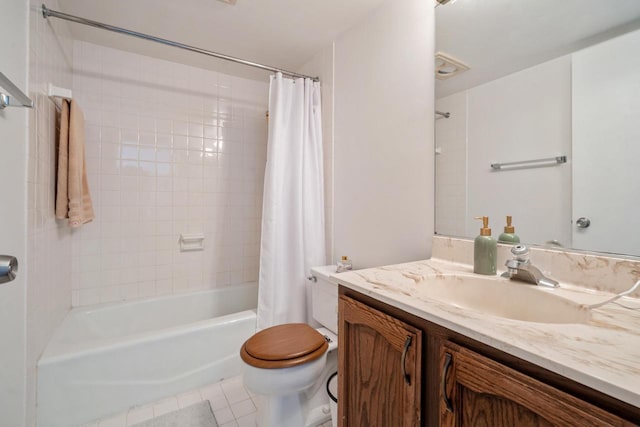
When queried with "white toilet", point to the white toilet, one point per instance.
{"points": [[288, 365]]}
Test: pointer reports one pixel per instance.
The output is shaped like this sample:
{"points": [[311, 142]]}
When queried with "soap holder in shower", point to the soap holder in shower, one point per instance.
{"points": [[191, 242]]}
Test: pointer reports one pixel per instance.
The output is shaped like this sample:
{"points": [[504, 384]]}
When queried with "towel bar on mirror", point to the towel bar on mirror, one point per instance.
{"points": [[551, 161]]}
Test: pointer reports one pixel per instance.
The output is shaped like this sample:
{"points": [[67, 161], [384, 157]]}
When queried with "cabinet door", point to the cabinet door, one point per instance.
{"points": [[380, 361], [477, 391]]}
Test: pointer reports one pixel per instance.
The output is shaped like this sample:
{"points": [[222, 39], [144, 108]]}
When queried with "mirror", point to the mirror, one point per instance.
{"points": [[551, 99]]}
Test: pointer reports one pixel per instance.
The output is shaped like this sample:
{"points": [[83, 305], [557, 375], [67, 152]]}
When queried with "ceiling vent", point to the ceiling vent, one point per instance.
{"points": [[447, 67]]}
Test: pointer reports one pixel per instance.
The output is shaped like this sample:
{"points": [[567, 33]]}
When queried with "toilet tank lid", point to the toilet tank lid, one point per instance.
{"points": [[324, 271]]}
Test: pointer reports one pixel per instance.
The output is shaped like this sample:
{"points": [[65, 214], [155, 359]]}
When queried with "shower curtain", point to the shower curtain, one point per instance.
{"points": [[293, 205]]}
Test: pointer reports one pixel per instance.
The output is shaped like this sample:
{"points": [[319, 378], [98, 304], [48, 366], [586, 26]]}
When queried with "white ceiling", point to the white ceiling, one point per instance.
{"points": [[498, 37], [493, 37], [280, 33]]}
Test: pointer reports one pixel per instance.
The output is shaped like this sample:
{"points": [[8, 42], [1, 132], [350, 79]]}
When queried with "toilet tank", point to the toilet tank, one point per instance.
{"points": [[324, 297]]}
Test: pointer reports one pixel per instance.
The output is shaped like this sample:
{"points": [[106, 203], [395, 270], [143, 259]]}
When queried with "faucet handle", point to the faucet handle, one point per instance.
{"points": [[520, 257], [520, 252]]}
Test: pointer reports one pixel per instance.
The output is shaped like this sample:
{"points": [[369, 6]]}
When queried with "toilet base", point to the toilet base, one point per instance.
{"points": [[283, 410], [307, 408], [297, 410], [318, 415]]}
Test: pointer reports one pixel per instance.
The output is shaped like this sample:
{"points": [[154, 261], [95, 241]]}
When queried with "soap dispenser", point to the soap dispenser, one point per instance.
{"points": [[509, 235], [344, 264], [485, 250]]}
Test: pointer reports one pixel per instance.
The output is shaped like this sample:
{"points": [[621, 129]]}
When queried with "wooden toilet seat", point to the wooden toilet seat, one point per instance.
{"points": [[283, 346]]}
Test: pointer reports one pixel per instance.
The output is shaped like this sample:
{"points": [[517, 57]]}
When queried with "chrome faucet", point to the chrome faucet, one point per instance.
{"points": [[520, 268]]}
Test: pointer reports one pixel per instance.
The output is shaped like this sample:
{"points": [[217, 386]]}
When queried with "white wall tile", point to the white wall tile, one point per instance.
{"points": [[158, 175], [49, 246]]}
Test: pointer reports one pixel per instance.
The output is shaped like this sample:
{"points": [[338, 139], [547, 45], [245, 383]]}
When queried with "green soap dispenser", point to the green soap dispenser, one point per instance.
{"points": [[485, 250], [509, 235]]}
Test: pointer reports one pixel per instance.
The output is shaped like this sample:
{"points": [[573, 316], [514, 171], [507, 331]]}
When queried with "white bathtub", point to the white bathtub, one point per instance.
{"points": [[104, 359]]}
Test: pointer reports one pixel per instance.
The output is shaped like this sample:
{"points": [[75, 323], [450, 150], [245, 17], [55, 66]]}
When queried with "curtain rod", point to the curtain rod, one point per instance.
{"points": [[46, 13]]}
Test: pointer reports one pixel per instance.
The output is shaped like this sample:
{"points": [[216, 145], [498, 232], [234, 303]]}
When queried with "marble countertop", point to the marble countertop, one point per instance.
{"points": [[603, 353]]}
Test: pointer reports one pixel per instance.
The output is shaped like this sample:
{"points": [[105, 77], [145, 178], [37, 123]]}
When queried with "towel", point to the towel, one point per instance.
{"points": [[73, 200]]}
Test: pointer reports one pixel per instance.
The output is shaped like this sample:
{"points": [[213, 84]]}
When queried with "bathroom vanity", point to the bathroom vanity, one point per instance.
{"points": [[410, 357]]}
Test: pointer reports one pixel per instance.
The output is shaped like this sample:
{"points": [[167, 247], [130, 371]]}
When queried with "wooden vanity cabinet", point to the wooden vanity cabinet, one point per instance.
{"points": [[383, 358], [478, 391], [454, 380]]}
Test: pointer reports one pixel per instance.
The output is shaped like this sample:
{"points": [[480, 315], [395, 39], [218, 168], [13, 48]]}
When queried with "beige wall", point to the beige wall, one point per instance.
{"points": [[378, 136], [383, 128]]}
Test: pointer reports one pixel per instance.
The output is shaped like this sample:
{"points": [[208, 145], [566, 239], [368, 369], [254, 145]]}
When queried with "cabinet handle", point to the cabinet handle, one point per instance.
{"points": [[445, 373], [405, 350]]}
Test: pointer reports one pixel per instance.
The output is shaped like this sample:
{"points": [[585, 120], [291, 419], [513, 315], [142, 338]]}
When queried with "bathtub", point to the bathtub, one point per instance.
{"points": [[104, 359]]}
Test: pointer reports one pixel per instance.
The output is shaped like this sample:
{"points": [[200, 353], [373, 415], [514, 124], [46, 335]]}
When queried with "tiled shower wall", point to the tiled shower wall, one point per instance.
{"points": [[171, 149], [451, 166], [48, 265]]}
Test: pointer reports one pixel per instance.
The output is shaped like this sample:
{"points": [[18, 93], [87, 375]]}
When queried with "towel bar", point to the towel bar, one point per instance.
{"points": [[533, 163], [14, 92], [55, 93]]}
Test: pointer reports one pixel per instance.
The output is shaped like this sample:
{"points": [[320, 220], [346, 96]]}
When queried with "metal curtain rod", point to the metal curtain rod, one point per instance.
{"points": [[46, 13]]}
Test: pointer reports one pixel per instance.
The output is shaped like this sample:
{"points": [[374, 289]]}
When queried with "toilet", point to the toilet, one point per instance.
{"points": [[288, 365]]}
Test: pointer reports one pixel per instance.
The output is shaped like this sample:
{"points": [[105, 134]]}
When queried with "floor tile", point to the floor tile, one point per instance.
{"points": [[231, 403], [218, 403], [257, 401], [119, 420], [165, 406], [188, 399], [212, 390], [223, 415], [248, 420], [235, 395], [243, 408], [138, 415], [215, 396]]}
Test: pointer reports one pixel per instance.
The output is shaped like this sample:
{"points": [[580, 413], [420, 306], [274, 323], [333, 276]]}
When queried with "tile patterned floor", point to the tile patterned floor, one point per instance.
{"points": [[232, 405]]}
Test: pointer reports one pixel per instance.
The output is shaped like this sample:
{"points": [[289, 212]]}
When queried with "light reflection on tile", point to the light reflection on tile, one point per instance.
{"points": [[210, 145], [129, 152]]}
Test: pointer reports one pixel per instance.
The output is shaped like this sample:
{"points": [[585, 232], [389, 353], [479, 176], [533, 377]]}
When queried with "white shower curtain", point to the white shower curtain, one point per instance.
{"points": [[293, 206]]}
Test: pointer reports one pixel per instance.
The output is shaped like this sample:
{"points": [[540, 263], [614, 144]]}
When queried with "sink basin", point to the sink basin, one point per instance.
{"points": [[504, 298]]}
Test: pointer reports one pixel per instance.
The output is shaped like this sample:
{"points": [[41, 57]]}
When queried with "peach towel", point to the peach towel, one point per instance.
{"points": [[73, 200]]}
